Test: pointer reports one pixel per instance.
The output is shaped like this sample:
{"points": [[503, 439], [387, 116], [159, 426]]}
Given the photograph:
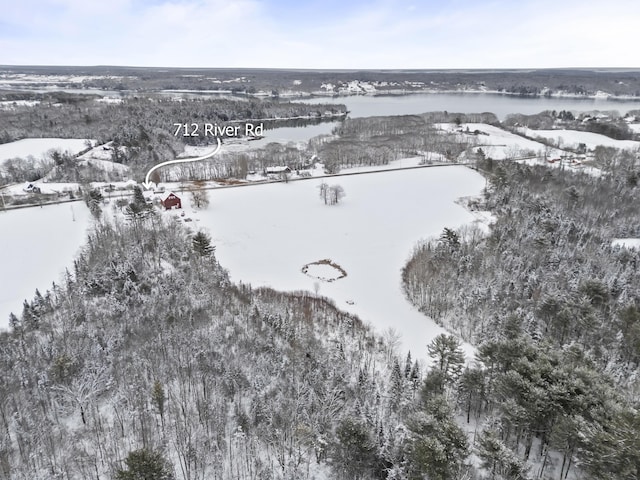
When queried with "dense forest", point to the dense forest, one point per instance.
{"points": [[554, 306]]}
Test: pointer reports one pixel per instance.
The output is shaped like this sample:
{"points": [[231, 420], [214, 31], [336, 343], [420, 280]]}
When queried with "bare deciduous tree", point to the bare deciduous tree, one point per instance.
{"points": [[199, 196], [324, 192], [336, 193]]}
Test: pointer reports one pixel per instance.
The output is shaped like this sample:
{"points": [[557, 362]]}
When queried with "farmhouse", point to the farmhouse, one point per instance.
{"points": [[170, 201]]}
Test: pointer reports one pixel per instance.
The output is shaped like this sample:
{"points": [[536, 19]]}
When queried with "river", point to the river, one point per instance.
{"points": [[380, 105], [501, 105]]}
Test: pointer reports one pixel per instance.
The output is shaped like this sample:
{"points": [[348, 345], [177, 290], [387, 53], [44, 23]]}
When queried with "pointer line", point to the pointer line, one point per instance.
{"points": [[147, 184]]}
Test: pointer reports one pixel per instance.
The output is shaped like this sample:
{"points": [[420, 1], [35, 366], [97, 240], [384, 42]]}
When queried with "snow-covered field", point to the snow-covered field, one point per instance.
{"points": [[37, 245], [265, 234], [571, 138], [105, 165], [101, 152], [38, 147], [496, 142]]}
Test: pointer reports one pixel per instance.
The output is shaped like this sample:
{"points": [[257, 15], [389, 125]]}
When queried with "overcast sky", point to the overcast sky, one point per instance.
{"points": [[321, 34]]}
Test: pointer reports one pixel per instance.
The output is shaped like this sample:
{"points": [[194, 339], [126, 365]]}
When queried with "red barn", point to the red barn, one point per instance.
{"points": [[171, 200]]}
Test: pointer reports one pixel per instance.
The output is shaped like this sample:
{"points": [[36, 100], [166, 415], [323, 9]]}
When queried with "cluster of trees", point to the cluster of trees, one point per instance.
{"points": [[331, 195], [379, 140], [26, 169]]}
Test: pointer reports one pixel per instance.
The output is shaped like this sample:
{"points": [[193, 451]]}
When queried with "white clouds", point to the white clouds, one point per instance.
{"points": [[386, 34]]}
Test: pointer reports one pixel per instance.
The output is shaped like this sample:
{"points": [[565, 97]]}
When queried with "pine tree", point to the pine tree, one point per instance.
{"points": [[202, 244], [138, 196], [145, 465], [437, 447], [498, 459], [448, 356], [158, 397], [354, 451], [407, 366], [396, 384], [14, 322]]}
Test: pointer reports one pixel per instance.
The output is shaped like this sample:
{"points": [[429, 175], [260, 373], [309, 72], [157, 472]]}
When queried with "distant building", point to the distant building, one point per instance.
{"points": [[277, 170], [170, 201], [31, 188]]}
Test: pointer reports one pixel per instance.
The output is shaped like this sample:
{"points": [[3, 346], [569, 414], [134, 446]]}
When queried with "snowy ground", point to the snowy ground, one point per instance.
{"points": [[264, 235], [63, 187], [37, 245], [105, 165], [38, 147], [571, 138], [498, 143], [101, 152]]}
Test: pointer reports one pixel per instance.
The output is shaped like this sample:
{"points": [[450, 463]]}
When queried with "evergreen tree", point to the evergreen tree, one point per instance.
{"points": [[396, 384], [158, 397], [138, 197], [447, 355], [437, 448], [499, 460], [202, 244], [407, 366], [14, 322], [354, 453], [450, 239], [145, 465]]}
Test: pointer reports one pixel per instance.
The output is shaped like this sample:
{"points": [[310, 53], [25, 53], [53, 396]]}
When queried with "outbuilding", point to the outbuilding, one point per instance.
{"points": [[170, 201], [277, 170]]}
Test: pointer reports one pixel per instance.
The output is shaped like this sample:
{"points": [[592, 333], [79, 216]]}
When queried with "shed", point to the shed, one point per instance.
{"points": [[170, 201], [277, 170]]}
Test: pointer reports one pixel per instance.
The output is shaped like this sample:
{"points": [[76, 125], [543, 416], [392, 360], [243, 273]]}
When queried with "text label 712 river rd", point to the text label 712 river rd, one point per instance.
{"points": [[215, 130]]}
